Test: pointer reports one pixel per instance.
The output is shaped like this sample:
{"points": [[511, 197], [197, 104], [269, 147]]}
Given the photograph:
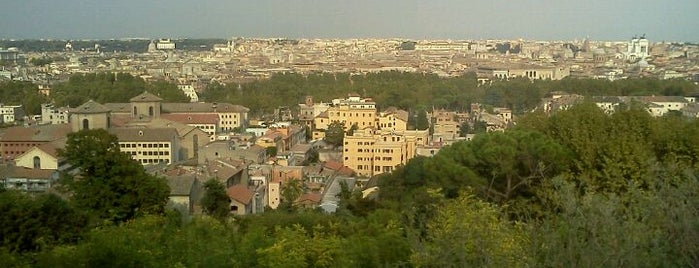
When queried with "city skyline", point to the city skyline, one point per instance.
{"points": [[409, 19]]}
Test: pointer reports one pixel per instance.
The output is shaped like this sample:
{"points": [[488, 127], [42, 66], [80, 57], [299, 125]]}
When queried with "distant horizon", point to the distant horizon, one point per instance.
{"points": [[542, 20], [335, 38]]}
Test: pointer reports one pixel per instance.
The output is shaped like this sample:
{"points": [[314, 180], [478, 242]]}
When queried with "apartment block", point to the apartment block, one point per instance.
{"points": [[353, 111], [52, 115], [149, 145], [371, 152]]}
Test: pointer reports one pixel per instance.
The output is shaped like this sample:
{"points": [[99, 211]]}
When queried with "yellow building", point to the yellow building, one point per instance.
{"points": [[353, 111], [445, 125], [393, 119], [370, 152]]}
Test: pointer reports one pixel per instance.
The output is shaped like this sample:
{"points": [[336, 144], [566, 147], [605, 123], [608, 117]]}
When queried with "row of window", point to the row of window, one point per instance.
{"points": [[151, 153], [21, 144], [206, 127], [350, 114], [369, 158], [144, 145], [386, 151], [154, 161]]}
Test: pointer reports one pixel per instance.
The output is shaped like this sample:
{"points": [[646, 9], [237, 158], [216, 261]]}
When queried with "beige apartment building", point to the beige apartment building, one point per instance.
{"points": [[445, 125], [392, 119], [149, 145], [351, 111], [371, 152], [354, 111]]}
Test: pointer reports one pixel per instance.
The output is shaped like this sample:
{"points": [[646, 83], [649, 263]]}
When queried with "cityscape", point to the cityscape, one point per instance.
{"points": [[353, 149]]}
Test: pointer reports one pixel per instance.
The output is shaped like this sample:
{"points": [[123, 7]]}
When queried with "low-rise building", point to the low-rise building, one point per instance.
{"points": [[10, 113]]}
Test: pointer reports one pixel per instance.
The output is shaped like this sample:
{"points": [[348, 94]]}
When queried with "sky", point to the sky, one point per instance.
{"points": [[660, 20]]}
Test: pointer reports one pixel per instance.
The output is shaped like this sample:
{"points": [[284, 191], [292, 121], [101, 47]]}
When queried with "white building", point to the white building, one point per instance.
{"points": [[10, 113], [52, 115], [165, 44], [188, 90], [637, 48]]}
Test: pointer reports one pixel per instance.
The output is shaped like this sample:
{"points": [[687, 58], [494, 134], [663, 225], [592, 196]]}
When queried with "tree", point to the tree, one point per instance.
{"points": [[29, 224], [291, 191], [469, 232], [215, 201], [422, 123], [271, 151], [107, 182], [352, 129], [335, 134]]}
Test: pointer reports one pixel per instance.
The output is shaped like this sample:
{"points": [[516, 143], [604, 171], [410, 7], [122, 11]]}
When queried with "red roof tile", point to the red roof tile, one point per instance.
{"points": [[240, 193]]}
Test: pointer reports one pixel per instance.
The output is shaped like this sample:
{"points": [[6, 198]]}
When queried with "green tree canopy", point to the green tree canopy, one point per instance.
{"points": [[335, 134], [109, 183], [215, 201]]}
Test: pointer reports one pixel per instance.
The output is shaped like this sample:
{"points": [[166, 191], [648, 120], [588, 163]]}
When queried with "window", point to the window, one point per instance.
{"points": [[150, 111], [37, 162], [86, 124]]}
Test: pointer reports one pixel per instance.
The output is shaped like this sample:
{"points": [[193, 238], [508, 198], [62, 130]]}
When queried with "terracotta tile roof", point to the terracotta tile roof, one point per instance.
{"points": [[44, 133], [146, 97], [309, 199], [240, 193], [193, 118], [334, 165], [49, 148], [90, 107]]}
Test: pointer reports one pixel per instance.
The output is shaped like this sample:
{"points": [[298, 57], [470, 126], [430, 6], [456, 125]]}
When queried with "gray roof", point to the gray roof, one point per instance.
{"points": [[197, 107], [146, 97], [181, 185], [144, 134], [119, 107], [91, 107], [203, 107]]}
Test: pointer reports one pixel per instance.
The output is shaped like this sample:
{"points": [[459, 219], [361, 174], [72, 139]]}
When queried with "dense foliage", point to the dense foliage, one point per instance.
{"points": [[107, 182], [410, 91], [100, 87], [22, 93], [111, 87]]}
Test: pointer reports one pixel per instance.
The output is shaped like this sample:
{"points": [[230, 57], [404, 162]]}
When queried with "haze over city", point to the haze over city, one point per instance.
{"points": [[441, 19]]}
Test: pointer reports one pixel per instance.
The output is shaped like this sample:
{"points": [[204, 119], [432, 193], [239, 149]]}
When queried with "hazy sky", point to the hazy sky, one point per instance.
{"points": [[671, 20]]}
